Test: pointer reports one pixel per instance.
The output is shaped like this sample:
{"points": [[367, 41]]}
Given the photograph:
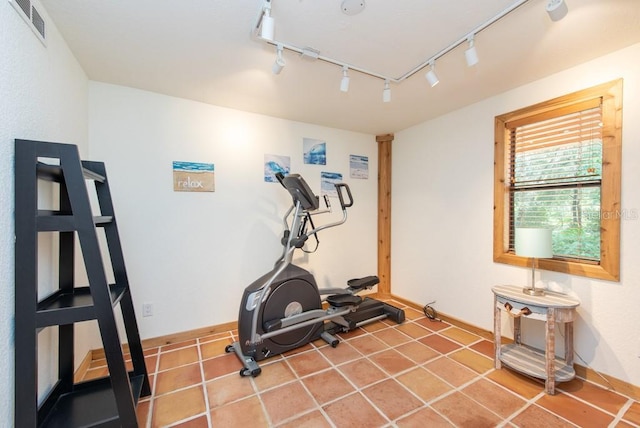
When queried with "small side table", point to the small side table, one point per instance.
{"points": [[550, 308]]}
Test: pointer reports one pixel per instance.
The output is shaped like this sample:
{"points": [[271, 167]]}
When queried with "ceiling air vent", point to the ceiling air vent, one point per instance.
{"points": [[37, 21], [25, 5], [27, 10]]}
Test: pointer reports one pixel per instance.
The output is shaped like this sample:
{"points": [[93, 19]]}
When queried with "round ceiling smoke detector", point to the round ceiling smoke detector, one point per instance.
{"points": [[352, 7]]}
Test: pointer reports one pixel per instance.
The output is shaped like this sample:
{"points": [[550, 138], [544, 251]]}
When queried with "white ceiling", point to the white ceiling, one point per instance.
{"points": [[204, 50]]}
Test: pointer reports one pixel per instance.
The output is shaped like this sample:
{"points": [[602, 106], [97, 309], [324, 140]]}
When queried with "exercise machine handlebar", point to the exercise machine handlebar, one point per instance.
{"points": [[339, 188]]}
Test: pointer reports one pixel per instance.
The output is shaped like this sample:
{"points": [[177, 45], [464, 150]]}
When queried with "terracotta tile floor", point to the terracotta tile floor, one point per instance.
{"points": [[417, 374]]}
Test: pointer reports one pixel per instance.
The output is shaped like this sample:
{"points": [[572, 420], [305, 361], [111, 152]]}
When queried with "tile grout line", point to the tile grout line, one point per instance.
{"points": [[477, 376], [332, 366], [203, 382], [623, 410], [359, 391], [299, 379], [207, 406], [152, 399], [534, 402], [527, 402], [504, 420], [392, 377]]}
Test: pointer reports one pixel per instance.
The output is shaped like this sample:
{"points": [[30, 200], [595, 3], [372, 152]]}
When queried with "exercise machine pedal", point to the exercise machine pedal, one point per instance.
{"points": [[342, 300]]}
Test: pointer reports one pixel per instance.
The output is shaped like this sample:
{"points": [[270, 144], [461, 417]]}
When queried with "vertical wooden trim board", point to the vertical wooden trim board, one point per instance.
{"points": [[384, 212]]}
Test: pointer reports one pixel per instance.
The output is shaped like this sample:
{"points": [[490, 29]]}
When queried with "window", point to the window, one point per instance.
{"points": [[557, 165]]}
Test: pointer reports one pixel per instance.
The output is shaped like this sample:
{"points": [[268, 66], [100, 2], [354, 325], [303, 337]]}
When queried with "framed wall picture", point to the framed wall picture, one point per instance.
{"points": [[193, 177], [274, 164], [359, 166], [314, 151], [328, 181]]}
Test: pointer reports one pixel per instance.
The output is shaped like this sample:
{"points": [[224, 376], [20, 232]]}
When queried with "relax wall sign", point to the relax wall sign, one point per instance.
{"points": [[193, 177]]}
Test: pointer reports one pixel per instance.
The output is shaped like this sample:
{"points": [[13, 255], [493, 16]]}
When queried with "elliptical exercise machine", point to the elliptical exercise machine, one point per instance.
{"points": [[283, 309]]}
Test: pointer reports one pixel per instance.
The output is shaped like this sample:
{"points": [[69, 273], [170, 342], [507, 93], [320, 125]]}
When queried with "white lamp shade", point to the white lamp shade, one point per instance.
{"points": [[533, 242]]}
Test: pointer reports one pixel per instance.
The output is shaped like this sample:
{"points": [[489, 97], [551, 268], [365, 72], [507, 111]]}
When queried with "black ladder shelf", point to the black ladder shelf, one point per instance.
{"points": [[110, 401]]}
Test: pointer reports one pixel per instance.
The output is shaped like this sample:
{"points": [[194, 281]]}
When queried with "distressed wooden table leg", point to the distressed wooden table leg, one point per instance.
{"points": [[550, 354], [497, 333], [568, 343]]}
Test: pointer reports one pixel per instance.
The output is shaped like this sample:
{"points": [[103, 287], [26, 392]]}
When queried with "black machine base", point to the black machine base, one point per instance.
{"points": [[369, 311]]}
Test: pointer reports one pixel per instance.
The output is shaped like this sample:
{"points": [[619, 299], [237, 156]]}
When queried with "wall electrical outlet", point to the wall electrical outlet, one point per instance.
{"points": [[147, 309]]}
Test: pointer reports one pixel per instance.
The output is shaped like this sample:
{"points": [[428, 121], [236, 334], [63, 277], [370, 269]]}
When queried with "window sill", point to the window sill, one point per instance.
{"points": [[569, 267]]}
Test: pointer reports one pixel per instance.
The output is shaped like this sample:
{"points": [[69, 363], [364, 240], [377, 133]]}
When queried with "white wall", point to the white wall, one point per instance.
{"points": [[43, 97], [192, 254], [443, 219]]}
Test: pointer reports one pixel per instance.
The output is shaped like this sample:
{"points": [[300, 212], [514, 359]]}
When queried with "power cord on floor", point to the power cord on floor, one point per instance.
{"points": [[611, 387], [430, 313]]}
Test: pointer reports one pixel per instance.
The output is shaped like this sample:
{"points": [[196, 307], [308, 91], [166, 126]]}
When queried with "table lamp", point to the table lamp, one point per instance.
{"points": [[534, 243]]}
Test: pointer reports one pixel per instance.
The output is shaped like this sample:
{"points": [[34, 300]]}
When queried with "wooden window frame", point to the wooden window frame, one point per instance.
{"points": [[608, 268]]}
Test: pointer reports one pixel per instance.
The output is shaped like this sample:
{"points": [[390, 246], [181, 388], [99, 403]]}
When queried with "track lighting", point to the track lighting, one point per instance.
{"points": [[344, 83], [264, 26], [431, 75], [267, 31], [386, 92], [471, 55], [557, 9], [279, 63]]}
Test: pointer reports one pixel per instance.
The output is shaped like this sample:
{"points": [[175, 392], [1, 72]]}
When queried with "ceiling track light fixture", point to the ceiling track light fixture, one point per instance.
{"points": [[386, 92], [267, 29], [431, 76], [471, 54], [264, 26], [557, 9], [279, 63], [344, 83]]}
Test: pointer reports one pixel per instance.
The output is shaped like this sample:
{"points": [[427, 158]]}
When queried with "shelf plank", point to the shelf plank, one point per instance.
{"points": [[92, 175], [89, 404], [54, 173], [69, 307], [531, 361], [102, 220], [56, 221], [49, 172]]}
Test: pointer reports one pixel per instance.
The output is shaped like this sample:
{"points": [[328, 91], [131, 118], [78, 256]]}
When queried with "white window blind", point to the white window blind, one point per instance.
{"points": [[555, 175]]}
